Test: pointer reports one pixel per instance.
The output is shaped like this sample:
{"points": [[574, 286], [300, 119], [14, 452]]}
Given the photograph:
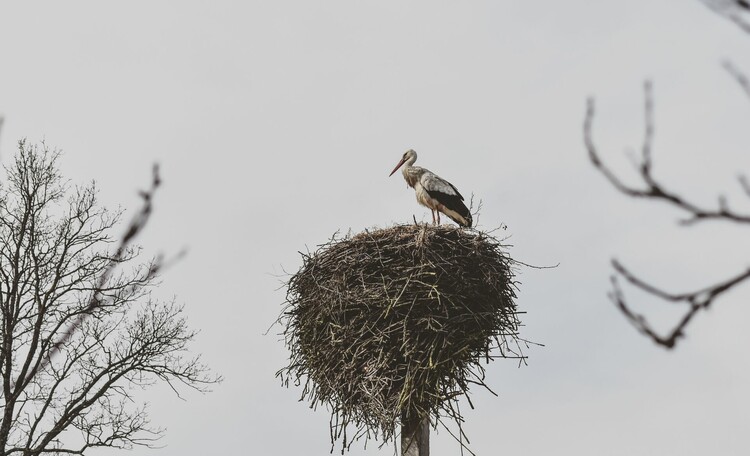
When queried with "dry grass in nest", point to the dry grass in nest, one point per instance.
{"points": [[395, 323]]}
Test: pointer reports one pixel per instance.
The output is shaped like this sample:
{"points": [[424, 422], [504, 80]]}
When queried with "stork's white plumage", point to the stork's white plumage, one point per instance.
{"points": [[433, 191]]}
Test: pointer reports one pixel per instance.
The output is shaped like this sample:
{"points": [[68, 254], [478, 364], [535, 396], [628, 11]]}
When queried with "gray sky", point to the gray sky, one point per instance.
{"points": [[276, 124]]}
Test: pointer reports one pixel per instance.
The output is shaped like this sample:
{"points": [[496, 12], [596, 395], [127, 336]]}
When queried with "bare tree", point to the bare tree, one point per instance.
{"points": [[652, 189], [79, 331]]}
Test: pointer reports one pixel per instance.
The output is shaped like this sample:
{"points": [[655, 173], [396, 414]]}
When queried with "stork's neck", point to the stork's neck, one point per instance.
{"points": [[407, 164], [411, 173]]}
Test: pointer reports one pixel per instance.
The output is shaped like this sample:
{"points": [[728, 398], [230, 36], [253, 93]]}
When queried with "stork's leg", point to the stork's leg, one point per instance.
{"points": [[432, 211], [438, 214]]}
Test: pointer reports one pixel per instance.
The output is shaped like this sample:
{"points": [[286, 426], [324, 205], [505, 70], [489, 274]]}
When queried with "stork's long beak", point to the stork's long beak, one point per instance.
{"points": [[397, 166]]}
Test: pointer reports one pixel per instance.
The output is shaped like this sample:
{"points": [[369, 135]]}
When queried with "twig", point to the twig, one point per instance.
{"points": [[738, 76], [96, 300], [478, 210], [733, 11], [696, 300], [652, 188], [744, 184], [2, 121]]}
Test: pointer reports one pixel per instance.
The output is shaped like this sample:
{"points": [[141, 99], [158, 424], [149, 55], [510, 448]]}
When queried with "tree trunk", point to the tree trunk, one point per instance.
{"points": [[415, 436]]}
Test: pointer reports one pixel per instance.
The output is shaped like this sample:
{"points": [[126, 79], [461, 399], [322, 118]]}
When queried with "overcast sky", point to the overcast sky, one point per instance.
{"points": [[277, 123]]}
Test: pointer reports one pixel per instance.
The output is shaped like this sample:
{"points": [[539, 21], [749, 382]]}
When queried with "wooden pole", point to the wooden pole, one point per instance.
{"points": [[415, 437]]}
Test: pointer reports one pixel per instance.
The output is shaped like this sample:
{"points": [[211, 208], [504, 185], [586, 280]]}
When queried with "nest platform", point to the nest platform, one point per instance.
{"points": [[395, 324]]}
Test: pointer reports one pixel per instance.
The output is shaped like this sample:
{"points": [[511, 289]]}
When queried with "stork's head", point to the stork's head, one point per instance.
{"points": [[409, 158]]}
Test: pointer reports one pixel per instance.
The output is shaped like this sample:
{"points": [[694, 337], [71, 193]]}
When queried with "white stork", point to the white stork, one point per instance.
{"points": [[433, 191]]}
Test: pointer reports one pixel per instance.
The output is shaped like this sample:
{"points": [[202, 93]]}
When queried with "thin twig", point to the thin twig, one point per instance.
{"points": [[652, 189], [696, 301], [738, 75], [97, 300], [2, 121], [734, 11]]}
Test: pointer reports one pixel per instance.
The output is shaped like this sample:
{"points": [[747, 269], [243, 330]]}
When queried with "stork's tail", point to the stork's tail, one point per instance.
{"points": [[460, 215]]}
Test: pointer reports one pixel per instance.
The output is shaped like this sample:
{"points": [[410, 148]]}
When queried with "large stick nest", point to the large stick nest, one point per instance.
{"points": [[393, 324]]}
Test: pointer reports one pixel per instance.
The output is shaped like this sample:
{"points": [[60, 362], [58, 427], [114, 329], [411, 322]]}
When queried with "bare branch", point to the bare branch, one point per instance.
{"points": [[652, 189], [78, 331], [696, 301], [735, 11], [97, 301], [744, 184], [738, 76]]}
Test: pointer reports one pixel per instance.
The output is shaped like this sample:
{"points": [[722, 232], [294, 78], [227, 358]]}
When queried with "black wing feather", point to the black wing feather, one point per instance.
{"points": [[454, 203]]}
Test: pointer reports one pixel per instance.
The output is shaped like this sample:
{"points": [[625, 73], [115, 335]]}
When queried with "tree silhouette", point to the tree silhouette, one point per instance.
{"points": [[79, 330]]}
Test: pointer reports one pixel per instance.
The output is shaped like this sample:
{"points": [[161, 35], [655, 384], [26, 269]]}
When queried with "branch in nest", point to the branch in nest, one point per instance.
{"points": [[475, 212]]}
